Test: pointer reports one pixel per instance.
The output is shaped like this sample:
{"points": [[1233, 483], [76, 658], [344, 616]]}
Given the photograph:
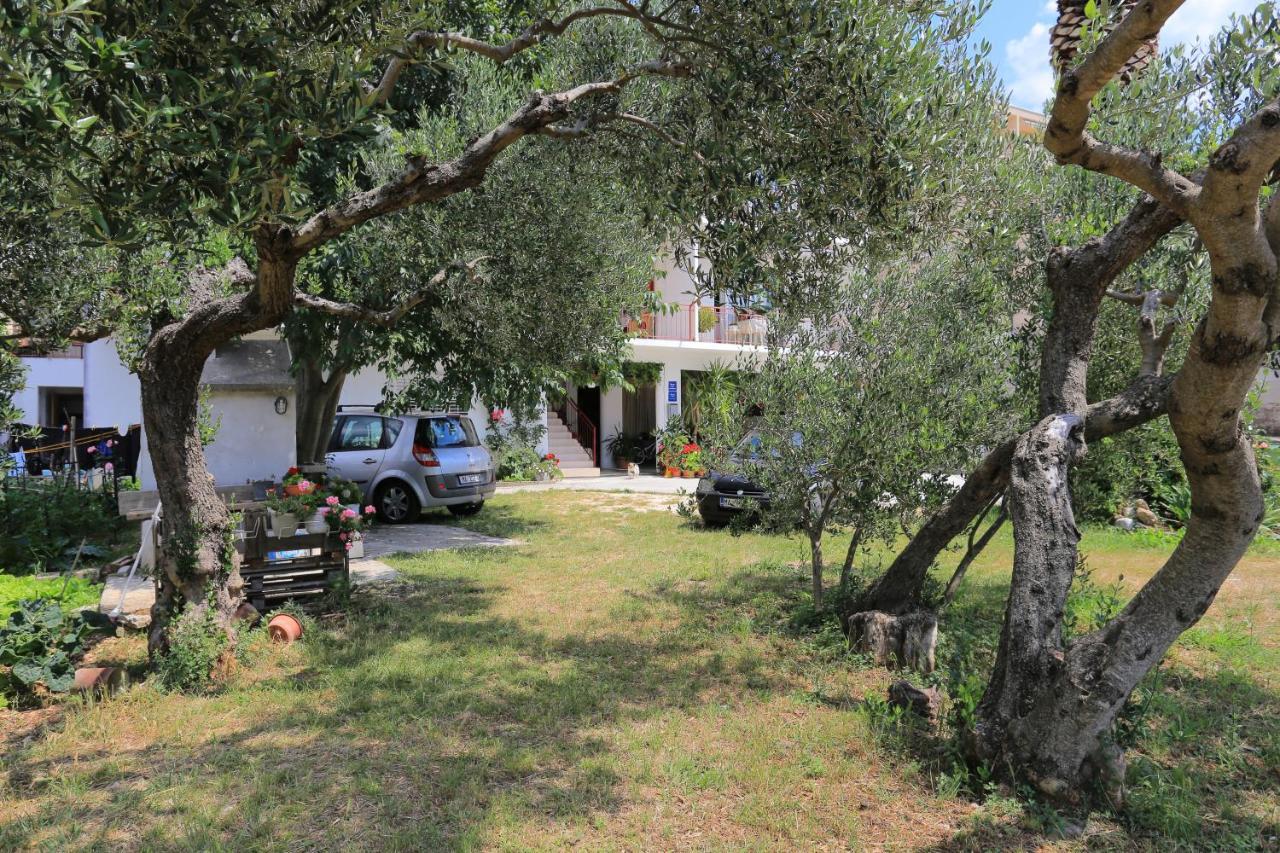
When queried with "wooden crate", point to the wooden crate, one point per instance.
{"points": [[299, 568]]}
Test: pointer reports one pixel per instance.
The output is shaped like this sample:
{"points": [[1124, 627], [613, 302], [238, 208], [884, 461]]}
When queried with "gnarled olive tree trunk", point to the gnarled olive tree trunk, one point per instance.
{"points": [[1048, 711], [1078, 278], [198, 564]]}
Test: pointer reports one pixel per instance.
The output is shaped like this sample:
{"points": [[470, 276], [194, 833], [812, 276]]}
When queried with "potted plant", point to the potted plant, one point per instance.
{"points": [[622, 447], [286, 510], [348, 522], [296, 485], [691, 460], [706, 319], [670, 441]]}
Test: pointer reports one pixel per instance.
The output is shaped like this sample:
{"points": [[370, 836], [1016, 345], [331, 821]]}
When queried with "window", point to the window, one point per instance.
{"points": [[438, 433], [366, 432]]}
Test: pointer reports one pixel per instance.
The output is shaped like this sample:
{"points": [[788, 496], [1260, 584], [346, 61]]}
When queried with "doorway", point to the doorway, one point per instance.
{"points": [[61, 405], [589, 404]]}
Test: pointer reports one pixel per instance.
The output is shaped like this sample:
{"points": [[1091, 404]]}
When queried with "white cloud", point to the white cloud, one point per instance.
{"points": [[1030, 78], [1028, 62], [1201, 19]]}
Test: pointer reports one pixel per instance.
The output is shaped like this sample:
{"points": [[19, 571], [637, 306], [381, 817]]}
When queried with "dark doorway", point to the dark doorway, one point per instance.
{"points": [[63, 405], [589, 404]]}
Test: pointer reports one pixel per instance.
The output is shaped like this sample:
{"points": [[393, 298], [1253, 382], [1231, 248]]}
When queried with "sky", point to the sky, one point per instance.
{"points": [[1018, 31]]}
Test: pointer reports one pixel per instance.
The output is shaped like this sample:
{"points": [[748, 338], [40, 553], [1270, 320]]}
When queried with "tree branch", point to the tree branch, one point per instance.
{"points": [[1240, 166], [423, 182], [588, 124], [1070, 143], [390, 316], [531, 36]]}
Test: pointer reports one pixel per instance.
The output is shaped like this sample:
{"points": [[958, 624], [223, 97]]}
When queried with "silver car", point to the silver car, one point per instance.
{"points": [[405, 463]]}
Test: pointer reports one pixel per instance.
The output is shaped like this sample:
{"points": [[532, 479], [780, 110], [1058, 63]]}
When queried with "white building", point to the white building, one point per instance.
{"points": [[252, 399]]}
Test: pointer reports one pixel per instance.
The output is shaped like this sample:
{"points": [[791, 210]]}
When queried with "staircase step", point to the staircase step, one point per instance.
{"points": [[577, 473]]}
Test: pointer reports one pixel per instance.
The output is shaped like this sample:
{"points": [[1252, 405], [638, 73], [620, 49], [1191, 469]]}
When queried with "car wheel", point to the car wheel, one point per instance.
{"points": [[464, 510], [396, 503]]}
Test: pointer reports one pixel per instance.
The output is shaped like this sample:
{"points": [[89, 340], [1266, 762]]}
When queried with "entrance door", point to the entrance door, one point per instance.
{"points": [[589, 403]]}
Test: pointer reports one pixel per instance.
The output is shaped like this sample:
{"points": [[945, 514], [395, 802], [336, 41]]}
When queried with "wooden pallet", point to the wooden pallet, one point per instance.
{"points": [[283, 568]]}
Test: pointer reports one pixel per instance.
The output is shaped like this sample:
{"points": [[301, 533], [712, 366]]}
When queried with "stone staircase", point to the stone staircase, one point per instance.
{"points": [[574, 461]]}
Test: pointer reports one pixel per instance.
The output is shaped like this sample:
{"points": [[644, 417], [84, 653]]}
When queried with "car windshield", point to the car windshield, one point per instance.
{"points": [[446, 432]]}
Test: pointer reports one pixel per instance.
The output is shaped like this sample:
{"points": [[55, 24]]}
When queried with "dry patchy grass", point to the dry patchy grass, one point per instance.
{"points": [[624, 681]]}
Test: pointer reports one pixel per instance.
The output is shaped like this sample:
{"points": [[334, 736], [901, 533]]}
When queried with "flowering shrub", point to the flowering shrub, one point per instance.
{"points": [[346, 522], [691, 458], [553, 459]]}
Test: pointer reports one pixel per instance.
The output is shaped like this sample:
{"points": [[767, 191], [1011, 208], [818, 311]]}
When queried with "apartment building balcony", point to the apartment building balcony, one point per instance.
{"points": [[697, 323]]}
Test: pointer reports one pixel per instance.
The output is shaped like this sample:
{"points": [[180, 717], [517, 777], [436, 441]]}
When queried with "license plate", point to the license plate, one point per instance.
{"points": [[470, 479], [731, 503]]}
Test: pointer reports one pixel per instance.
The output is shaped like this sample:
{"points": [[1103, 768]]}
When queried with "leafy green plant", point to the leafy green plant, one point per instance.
{"points": [[706, 319], [39, 645], [45, 519], [1173, 501], [1090, 605], [195, 650], [297, 505]]}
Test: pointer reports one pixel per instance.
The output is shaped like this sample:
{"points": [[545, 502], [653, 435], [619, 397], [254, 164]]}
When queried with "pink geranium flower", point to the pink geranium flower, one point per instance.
{"points": [[332, 500], [108, 467], [342, 536], [347, 546], [369, 510], [91, 449], [349, 514]]}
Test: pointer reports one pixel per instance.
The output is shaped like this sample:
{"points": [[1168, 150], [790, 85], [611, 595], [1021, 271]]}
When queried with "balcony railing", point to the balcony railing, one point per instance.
{"points": [[718, 324]]}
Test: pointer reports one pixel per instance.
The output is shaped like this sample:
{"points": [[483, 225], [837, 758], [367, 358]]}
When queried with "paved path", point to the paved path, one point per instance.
{"points": [[609, 482]]}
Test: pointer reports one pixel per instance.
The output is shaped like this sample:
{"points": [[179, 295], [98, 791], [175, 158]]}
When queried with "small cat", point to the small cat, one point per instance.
{"points": [[633, 470]]}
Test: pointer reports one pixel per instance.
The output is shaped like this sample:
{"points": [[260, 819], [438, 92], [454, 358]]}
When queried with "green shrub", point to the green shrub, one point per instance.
{"points": [[1117, 470], [39, 645], [196, 647], [45, 519]]}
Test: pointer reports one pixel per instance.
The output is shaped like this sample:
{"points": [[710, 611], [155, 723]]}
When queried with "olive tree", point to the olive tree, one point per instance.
{"points": [[182, 132]]}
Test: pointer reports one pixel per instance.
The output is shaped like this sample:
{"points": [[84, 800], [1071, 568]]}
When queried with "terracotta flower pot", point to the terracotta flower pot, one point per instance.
{"points": [[688, 475], [669, 472], [98, 679], [284, 628]]}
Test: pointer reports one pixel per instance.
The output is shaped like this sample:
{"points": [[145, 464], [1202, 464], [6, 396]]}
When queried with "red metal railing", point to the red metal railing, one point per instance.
{"points": [[719, 324], [581, 428]]}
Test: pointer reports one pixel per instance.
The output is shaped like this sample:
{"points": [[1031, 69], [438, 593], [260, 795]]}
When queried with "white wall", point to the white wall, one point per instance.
{"points": [[674, 283], [610, 422], [363, 388], [112, 396], [253, 443], [42, 373]]}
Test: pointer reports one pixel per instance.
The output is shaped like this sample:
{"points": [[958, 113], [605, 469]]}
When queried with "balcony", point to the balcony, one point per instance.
{"points": [[693, 322]]}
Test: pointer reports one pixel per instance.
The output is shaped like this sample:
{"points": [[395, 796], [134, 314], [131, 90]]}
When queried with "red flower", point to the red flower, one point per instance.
{"points": [[292, 471], [690, 448]]}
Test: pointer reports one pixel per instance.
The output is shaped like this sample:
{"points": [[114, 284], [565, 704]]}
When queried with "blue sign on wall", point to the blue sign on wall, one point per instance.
{"points": [[673, 391]]}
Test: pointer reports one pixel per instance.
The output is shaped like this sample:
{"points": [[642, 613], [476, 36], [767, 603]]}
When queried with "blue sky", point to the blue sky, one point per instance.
{"points": [[1018, 31]]}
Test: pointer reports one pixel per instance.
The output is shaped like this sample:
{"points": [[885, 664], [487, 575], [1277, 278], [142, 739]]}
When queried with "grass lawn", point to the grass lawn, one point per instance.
{"points": [[624, 680], [72, 593]]}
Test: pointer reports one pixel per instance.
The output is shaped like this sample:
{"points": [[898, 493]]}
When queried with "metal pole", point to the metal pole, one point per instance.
{"points": [[75, 460]]}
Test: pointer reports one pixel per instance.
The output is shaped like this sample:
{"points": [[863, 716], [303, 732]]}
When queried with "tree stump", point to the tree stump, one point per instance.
{"points": [[907, 641], [924, 703]]}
